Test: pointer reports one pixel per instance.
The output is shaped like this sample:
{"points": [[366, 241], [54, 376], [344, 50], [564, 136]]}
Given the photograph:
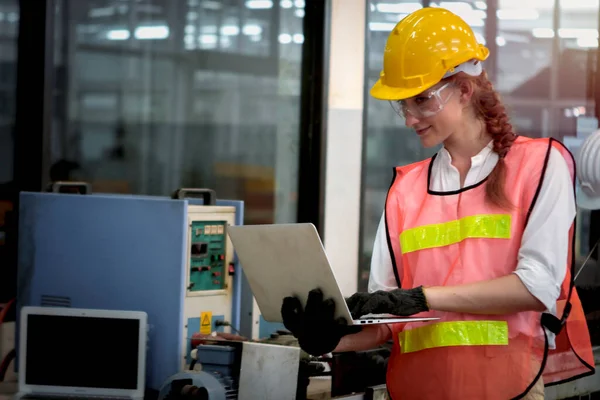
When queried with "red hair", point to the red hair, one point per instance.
{"points": [[489, 108]]}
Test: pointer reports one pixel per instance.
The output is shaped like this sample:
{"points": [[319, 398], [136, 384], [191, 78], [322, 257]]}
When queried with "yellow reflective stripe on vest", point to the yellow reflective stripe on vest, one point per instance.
{"points": [[491, 226], [455, 333]]}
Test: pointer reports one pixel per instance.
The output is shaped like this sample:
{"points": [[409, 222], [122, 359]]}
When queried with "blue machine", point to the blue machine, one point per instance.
{"points": [[122, 252]]}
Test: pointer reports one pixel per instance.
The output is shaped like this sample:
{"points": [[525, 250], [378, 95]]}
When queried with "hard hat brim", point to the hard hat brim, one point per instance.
{"points": [[383, 92], [587, 202]]}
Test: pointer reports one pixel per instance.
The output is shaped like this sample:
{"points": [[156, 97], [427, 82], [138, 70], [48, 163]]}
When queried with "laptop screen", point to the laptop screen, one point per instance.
{"points": [[87, 352]]}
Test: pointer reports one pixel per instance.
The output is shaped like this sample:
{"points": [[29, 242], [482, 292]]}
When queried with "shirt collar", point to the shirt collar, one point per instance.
{"points": [[447, 158]]}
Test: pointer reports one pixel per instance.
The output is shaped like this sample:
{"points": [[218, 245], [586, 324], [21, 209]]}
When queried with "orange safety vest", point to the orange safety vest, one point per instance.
{"points": [[453, 238]]}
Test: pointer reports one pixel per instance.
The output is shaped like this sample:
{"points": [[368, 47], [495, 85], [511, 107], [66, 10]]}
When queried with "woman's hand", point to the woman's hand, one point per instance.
{"points": [[316, 328], [401, 302]]}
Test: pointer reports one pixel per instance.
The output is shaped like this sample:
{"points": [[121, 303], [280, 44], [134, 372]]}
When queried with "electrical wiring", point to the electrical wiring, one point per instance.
{"points": [[11, 355], [226, 323], [6, 362]]}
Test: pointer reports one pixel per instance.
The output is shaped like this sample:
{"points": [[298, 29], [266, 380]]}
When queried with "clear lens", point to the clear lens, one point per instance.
{"points": [[397, 106], [423, 105]]}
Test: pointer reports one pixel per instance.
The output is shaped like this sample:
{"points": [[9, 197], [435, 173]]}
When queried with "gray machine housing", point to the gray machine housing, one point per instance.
{"points": [[239, 371]]}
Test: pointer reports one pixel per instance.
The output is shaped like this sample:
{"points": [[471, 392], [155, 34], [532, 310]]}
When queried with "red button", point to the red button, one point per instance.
{"points": [[221, 257]]}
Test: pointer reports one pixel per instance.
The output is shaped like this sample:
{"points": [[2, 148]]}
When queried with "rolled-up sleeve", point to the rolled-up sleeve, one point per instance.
{"points": [[545, 244], [381, 276]]}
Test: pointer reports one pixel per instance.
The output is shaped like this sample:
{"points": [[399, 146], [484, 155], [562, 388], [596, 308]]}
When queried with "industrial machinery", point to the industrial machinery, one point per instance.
{"points": [[169, 257], [235, 370], [229, 366]]}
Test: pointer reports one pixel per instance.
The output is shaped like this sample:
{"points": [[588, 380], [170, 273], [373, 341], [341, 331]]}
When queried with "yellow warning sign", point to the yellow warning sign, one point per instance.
{"points": [[205, 322]]}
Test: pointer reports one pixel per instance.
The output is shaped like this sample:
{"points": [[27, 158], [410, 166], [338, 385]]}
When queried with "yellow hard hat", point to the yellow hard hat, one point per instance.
{"points": [[421, 49]]}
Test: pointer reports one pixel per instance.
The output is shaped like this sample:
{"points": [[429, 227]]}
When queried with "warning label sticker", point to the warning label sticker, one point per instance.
{"points": [[205, 322]]}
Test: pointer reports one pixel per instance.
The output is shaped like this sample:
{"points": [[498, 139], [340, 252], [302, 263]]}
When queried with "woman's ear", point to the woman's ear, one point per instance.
{"points": [[466, 91]]}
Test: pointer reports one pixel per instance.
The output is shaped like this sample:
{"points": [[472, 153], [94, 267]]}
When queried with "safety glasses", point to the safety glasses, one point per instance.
{"points": [[423, 105]]}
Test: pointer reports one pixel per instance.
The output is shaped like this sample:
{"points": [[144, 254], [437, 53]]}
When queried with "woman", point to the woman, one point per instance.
{"points": [[480, 236]]}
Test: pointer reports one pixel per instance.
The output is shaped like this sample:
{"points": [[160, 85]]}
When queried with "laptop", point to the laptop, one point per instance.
{"points": [[289, 260], [68, 353]]}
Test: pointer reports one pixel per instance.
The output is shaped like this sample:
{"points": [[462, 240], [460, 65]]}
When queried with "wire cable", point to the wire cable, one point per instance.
{"points": [[6, 362], [586, 260], [226, 323]]}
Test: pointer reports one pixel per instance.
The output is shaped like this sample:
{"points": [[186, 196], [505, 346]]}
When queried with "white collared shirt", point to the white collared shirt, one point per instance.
{"points": [[545, 243]]}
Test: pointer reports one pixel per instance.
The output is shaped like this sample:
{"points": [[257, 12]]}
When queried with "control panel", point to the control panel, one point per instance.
{"points": [[208, 269], [209, 272]]}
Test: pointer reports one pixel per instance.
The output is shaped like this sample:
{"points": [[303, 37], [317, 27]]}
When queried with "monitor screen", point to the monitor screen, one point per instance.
{"points": [[81, 351]]}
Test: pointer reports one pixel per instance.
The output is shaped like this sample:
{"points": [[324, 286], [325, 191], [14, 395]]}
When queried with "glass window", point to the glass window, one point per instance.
{"points": [[524, 50], [524, 63], [162, 94], [9, 25], [578, 33]]}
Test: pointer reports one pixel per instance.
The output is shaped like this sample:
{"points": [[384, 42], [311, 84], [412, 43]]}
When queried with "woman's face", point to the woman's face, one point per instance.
{"points": [[434, 114]]}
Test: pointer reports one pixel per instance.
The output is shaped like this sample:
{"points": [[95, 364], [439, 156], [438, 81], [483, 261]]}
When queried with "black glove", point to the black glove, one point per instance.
{"points": [[316, 328], [401, 302]]}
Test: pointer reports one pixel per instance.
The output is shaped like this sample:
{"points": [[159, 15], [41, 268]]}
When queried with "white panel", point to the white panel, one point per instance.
{"points": [[344, 140], [347, 54], [342, 195], [268, 372]]}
